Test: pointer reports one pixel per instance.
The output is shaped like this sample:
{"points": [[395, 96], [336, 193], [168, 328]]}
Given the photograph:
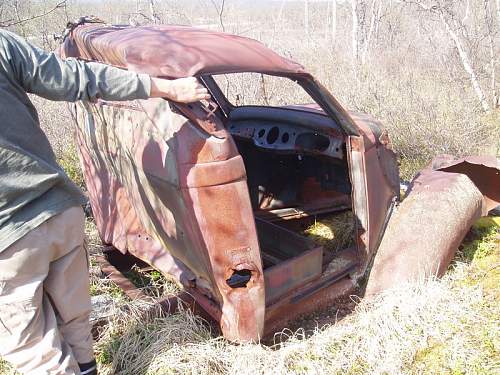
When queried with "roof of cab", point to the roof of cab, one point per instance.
{"points": [[175, 51]]}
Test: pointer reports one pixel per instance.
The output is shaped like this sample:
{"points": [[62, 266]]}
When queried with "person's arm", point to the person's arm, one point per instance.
{"points": [[185, 90], [46, 75]]}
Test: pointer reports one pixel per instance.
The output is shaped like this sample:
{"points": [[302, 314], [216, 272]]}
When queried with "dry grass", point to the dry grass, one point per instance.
{"points": [[448, 326], [333, 232], [56, 122]]}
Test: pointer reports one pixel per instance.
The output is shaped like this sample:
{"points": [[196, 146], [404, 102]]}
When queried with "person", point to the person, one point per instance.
{"points": [[44, 283]]}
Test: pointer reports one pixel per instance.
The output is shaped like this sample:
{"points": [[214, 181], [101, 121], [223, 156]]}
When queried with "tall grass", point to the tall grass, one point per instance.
{"points": [[448, 326]]}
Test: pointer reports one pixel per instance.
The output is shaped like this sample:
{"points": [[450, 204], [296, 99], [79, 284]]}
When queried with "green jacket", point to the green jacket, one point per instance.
{"points": [[33, 187]]}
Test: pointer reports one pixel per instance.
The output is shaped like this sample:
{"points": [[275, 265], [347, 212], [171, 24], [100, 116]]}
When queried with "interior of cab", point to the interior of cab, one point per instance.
{"points": [[299, 185]]}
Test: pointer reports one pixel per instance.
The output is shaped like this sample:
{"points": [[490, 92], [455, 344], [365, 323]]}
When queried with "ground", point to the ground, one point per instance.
{"points": [[447, 326]]}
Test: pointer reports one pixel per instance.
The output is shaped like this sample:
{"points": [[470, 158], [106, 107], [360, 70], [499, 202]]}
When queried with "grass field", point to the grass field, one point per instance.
{"points": [[447, 326]]}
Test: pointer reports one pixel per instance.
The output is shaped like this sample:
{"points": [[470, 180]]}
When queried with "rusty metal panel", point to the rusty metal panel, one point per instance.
{"points": [[482, 170], [167, 182], [336, 281], [175, 51], [375, 180], [179, 51], [152, 197], [301, 261], [429, 225], [287, 276]]}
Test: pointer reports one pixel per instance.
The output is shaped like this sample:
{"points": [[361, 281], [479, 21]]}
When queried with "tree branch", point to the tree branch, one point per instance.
{"points": [[220, 12], [11, 22]]}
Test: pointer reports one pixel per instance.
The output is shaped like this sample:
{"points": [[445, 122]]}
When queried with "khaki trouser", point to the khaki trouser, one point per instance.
{"points": [[44, 298]]}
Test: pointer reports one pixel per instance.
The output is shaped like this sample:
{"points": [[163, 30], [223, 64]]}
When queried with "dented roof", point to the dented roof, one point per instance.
{"points": [[175, 51]]}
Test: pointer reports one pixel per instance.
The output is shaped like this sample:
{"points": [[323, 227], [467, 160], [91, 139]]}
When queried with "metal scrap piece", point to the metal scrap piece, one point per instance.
{"points": [[424, 233]]}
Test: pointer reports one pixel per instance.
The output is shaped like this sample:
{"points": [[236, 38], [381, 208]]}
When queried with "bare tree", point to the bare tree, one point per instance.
{"points": [[154, 14], [306, 18], [354, 31], [220, 12], [19, 20], [453, 25], [488, 20], [362, 32], [373, 25], [334, 20], [498, 11]]}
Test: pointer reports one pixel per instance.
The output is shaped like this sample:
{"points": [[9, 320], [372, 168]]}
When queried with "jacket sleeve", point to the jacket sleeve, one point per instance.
{"points": [[46, 75]]}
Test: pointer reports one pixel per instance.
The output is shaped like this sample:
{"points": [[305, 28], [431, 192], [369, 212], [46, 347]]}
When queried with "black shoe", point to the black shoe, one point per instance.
{"points": [[89, 368]]}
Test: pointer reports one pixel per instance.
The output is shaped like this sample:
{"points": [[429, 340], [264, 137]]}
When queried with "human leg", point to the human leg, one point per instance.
{"points": [[29, 337], [67, 283]]}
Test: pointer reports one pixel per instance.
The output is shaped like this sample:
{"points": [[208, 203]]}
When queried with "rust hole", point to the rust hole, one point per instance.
{"points": [[239, 278]]}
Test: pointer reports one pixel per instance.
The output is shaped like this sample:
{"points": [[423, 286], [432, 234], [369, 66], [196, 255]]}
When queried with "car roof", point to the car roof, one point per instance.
{"points": [[175, 51]]}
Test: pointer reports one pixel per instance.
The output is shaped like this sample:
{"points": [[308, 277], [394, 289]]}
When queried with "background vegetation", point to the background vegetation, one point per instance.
{"points": [[427, 68]]}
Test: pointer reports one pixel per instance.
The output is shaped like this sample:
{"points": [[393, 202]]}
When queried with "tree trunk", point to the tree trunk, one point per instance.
{"points": [[498, 11], [306, 18], [334, 20], [366, 44], [466, 63], [354, 32], [467, 11], [377, 23], [488, 19], [152, 10]]}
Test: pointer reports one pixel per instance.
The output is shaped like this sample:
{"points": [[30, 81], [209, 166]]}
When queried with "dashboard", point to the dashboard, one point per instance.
{"points": [[289, 130]]}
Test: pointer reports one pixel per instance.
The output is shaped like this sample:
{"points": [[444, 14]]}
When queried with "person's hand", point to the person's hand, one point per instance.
{"points": [[182, 90]]}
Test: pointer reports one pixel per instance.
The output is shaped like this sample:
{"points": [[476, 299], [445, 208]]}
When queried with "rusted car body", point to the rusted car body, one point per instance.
{"points": [[210, 193]]}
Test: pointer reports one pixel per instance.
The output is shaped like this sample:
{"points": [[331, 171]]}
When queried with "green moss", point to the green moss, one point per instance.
{"points": [[102, 286], [115, 291], [435, 358], [305, 363], [156, 276], [487, 274], [6, 369], [137, 278], [430, 357], [105, 355], [94, 290], [360, 366], [152, 282], [481, 251], [481, 241], [481, 248]]}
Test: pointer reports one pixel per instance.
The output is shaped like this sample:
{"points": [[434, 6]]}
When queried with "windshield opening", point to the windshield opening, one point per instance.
{"points": [[245, 89]]}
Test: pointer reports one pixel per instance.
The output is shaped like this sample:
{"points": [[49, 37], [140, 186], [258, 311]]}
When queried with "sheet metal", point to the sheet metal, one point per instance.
{"points": [[175, 51], [167, 184], [423, 235]]}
